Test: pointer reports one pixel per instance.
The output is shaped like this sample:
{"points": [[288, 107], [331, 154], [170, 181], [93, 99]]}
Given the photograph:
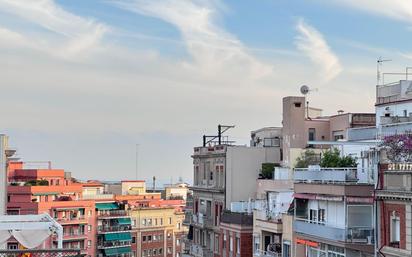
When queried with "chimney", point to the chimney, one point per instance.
{"points": [[154, 183]]}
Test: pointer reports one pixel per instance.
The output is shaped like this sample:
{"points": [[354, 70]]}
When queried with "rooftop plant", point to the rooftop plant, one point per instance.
{"points": [[398, 147]]}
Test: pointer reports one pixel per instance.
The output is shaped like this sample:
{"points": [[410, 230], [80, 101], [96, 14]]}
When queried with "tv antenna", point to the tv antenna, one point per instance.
{"points": [[379, 63], [304, 90]]}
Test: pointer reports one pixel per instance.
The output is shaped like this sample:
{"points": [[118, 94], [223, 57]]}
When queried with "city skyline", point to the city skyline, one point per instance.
{"points": [[81, 84]]}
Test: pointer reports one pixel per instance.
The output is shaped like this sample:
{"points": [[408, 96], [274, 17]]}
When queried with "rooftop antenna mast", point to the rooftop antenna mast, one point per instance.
{"points": [[379, 63], [220, 130], [304, 90]]}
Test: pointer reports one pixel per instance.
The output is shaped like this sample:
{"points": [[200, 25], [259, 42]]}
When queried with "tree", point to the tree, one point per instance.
{"points": [[332, 159], [267, 170], [309, 157]]}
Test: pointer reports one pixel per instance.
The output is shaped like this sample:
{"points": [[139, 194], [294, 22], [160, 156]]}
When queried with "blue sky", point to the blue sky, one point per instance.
{"points": [[84, 81]]}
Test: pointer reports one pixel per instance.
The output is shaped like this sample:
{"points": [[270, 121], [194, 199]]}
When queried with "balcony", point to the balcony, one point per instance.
{"points": [[107, 214], [200, 251], [202, 220], [118, 228], [326, 175], [348, 235], [261, 253], [72, 220], [319, 230], [73, 236], [113, 244]]}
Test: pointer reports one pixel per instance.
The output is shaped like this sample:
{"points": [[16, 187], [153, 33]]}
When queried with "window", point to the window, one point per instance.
{"points": [[177, 242], [149, 238], [155, 222], [321, 215], [224, 241], [89, 243], [144, 253], [144, 222], [154, 252], [395, 229], [161, 221], [89, 213], [133, 240], [297, 105], [160, 251], [144, 238], [237, 245], [12, 246], [216, 243], [178, 225], [312, 134], [149, 222], [169, 235], [286, 249], [170, 220], [89, 228], [230, 244], [313, 215], [149, 252], [169, 250], [256, 244], [211, 175], [405, 113]]}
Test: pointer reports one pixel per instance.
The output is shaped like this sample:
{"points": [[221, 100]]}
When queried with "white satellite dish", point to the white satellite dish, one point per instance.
{"points": [[304, 90]]}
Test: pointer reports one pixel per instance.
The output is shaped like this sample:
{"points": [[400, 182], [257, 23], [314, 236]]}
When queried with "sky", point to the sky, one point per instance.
{"points": [[92, 84]]}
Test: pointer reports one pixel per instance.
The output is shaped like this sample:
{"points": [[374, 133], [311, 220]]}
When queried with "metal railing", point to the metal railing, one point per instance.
{"points": [[41, 253], [320, 229], [330, 175], [202, 220], [262, 253], [112, 213], [113, 244], [71, 219], [114, 228]]}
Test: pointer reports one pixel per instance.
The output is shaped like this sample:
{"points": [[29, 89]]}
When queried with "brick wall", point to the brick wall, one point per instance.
{"points": [[385, 229]]}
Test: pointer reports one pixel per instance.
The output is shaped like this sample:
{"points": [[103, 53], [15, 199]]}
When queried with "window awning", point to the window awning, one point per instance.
{"points": [[117, 251], [107, 206], [118, 237], [124, 221]]}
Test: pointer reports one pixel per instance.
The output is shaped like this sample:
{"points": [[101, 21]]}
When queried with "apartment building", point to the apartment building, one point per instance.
{"points": [[158, 230], [302, 124], [114, 237], [394, 209], [272, 228], [36, 191], [236, 229], [219, 175], [333, 213]]}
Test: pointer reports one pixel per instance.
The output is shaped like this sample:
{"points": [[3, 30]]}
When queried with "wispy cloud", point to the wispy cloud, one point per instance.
{"points": [[72, 35], [395, 9], [312, 43], [212, 48]]}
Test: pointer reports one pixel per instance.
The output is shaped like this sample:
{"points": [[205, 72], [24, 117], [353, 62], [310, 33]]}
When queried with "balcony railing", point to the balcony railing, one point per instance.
{"points": [[118, 228], [319, 229], [360, 235], [113, 244], [328, 175], [200, 251], [71, 219], [200, 219], [262, 253], [112, 213]]}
